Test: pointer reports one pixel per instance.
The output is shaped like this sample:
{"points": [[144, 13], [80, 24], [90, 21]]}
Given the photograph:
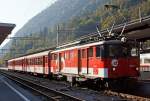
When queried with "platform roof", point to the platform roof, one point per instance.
{"points": [[138, 29], [5, 30]]}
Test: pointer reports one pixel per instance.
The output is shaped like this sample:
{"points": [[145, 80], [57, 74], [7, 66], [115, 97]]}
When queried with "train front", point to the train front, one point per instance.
{"points": [[122, 59]]}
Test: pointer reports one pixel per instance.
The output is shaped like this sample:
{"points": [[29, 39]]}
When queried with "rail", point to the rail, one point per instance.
{"points": [[51, 94], [126, 96], [60, 97]]}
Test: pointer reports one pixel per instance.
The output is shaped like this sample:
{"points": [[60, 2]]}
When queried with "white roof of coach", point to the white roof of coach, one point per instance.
{"points": [[147, 55], [87, 45], [37, 54], [16, 59], [29, 56]]}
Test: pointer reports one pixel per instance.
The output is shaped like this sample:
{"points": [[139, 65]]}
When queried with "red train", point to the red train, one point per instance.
{"points": [[106, 60]]}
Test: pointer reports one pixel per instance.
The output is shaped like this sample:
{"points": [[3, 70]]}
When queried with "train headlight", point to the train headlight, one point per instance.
{"points": [[137, 68], [114, 62], [114, 69], [123, 39]]}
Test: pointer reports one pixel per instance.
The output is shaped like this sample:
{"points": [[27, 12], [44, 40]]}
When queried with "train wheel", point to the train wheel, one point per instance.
{"points": [[100, 84]]}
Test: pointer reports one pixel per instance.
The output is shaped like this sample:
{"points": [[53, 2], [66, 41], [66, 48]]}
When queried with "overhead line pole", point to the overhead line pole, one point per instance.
{"points": [[57, 35]]}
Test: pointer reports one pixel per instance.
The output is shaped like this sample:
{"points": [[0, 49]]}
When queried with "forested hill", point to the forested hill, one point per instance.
{"points": [[76, 18], [60, 12]]}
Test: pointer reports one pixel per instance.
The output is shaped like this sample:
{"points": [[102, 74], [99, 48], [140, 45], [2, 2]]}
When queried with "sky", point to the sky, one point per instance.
{"points": [[20, 11]]}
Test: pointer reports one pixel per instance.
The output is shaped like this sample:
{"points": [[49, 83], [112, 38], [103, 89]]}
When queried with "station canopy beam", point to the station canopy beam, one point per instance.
{"points": [[5, 30]]}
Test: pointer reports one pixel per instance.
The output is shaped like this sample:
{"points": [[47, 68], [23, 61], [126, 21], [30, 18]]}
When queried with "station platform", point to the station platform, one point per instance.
{"points": [[9, 91]]}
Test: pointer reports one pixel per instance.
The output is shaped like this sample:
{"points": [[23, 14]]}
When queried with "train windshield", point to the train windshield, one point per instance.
{"points": [[121, 50]]}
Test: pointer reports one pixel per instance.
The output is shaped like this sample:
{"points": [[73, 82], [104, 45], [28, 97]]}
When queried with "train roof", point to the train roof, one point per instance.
{"points": [[41, 53], [32, 53], [88, 45], [147, 55], [38, 54], [16, 59]]}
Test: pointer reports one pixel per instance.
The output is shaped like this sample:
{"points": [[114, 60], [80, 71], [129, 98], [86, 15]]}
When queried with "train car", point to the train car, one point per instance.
{"points": [[36, 63], [16, 64], [145, 62], [107, 60]]}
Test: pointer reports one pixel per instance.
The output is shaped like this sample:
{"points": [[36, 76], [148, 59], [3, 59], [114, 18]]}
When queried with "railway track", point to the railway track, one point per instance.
{"points": [[124, 96], [50, 94], [129, 97]]}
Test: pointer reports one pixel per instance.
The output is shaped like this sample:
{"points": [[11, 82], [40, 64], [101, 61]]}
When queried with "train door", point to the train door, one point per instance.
{"points": [[79, 61], [49, 58], [60, 62], [83, 62], [13, 65], [43, 64], [24, 68], [90, 60], [23, 65], [54, 63], [26, 64]]}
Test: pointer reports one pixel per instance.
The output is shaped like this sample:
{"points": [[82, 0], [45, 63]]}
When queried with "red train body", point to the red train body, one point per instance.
{"points": [[110, 59]]}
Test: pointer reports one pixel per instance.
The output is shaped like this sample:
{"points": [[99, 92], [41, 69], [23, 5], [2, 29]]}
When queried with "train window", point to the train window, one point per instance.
{"points": [[55, 56], [46, 59], [133, 52], [90, 52], [146, 60], [83, 53], [71, 54], [38, 61], [28, 61], [116, 50], [31, 62], [113, 50], [67, 55], [100, 51], [133, 48], [52, 56], [41, 61], [64, 55], [35, 61]]}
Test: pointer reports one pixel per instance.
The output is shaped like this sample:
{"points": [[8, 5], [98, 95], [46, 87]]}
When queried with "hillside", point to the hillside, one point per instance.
{"points": [[75, 18], [59, 12]]}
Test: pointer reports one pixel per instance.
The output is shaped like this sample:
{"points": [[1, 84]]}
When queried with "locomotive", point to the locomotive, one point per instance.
{"points": [[106, 60]]}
